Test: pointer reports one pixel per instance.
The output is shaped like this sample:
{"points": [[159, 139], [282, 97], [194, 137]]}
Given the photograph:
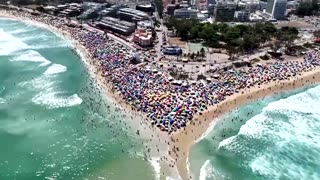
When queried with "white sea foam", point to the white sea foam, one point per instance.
{"points": [[203, 171], [48, 93], [290, 129], [10, 44], [53, 100], [207, 132], [55, 69], [55, 45], [173, 178], [207, 171], [20, 31], [156, 166], [32, 56], [2, 101]]}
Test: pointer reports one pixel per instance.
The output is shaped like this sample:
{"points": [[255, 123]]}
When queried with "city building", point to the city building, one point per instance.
{"points": [[132, 15], [184, 13], [205, 14], [241, 6], [89, 14], [256, 18], [170, 8], [69, 10], [211, 2], [224, 11], [111, 11], [255, 5], [210, 9], [242, 16], [172, 50], [146, 24], [292, 4], [262, 5], [143, 37], [147, 8], [252, 6], [116, 25], [277, 9], [259, 16]]}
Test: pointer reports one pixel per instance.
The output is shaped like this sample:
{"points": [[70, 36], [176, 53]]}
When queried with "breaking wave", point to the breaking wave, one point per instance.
{"points": [[10, 44], [53, 100], [32, 56], [155, 162], [55, 69], [282, 141], [2, 101]]}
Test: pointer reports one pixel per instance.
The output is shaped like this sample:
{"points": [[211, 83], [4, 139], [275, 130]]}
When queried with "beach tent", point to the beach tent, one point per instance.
{"points": [[185, 60], [184, 84], [215, 76]]}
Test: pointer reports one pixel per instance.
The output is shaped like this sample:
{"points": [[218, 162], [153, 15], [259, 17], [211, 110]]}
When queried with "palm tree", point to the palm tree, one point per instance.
{"points": [[202, 52], [192, 56]]}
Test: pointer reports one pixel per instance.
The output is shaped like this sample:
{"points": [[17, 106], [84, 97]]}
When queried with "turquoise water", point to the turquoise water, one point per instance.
{"points": [[53, 123], [274, 138]]}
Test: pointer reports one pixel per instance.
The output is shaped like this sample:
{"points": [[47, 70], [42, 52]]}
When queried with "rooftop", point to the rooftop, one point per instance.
{"points": [[133, 11]]}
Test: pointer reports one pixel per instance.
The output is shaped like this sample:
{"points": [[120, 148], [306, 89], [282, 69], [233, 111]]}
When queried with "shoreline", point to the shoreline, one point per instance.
{"points": [[183, 139], [114, 97], [194, 133]]}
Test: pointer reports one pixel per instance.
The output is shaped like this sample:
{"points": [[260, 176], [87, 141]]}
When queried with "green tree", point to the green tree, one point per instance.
{"points": [[243, 29], [192, 56], [223, 27], [231, 51], [249, 43], [308, 8], [195, 32], [231, 36], [287, 35], [159, 6]]}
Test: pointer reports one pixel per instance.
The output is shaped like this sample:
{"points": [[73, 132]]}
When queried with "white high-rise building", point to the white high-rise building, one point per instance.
{"points": [[277, 8]]}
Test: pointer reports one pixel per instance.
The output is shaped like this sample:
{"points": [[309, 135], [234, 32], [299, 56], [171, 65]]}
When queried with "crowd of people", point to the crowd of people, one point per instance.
{"points": [[148, 88]]}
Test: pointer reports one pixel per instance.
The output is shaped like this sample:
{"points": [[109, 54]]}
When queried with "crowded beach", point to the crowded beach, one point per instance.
{"points": [[148, 88]]}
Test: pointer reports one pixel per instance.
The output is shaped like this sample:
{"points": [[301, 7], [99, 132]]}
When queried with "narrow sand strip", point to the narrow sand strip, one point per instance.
{"points": [[185, 139]]}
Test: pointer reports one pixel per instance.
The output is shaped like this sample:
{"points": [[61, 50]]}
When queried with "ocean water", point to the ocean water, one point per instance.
{"points": [[277, 137], [54, 124]]}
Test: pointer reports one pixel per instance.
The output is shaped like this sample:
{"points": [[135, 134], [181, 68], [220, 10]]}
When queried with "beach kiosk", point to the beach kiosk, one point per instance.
{"points": [[185, 60]]}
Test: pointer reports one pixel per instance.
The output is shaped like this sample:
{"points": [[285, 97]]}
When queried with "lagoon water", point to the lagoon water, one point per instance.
{"points": [[53, 123], [277, 137]]}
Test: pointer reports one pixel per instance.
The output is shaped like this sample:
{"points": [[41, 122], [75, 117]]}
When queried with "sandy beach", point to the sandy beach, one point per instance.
{"points": [[180, 141], [185, 139], [153, 138]]}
